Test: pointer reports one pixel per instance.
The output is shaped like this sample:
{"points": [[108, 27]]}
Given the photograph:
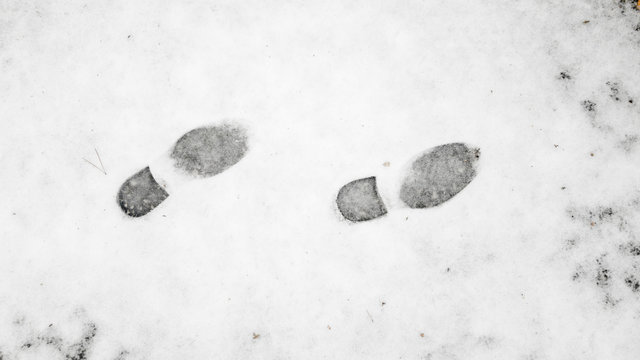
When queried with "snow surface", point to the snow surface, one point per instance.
{"points": [[535, 259]]}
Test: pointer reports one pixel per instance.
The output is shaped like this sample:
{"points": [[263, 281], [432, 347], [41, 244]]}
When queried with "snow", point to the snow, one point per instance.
{"points": [[256, 262]]}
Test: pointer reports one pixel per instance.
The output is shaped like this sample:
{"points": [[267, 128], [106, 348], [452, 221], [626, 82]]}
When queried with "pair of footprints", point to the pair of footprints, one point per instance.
{"points": [[434, 177]]}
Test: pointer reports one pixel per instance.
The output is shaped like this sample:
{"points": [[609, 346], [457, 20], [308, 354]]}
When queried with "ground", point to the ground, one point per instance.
{"points": [[538, 257]]}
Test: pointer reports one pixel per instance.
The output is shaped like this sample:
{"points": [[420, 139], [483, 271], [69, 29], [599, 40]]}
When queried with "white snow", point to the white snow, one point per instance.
{"points": [[256, 263]]}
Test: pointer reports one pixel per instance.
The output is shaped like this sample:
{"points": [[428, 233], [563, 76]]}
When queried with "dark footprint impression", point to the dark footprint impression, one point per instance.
{"points": [[439, 174], [434, 177], [202, 152], [140, 194], [359, 200]]}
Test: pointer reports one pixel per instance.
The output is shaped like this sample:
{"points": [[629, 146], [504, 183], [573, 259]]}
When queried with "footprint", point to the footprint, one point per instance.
{"points": [[434, 177], [359, 200], [200, 153], [208, 151], [439, 174], [140, 194]]}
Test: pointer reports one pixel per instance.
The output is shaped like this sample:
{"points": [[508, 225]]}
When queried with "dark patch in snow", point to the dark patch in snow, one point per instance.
{"points": [[632, 283], [614, 90], [617, 93], [79, 350], [628, 6], [578, 274], [589, 106], [50, 340], [601, 215], [610, 301], [632, 248], [564, 75], [603, 273], [613, 230]]}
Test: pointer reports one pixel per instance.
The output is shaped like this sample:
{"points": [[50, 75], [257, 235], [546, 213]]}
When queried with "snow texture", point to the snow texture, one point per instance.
{"points": [[538, 257]]}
